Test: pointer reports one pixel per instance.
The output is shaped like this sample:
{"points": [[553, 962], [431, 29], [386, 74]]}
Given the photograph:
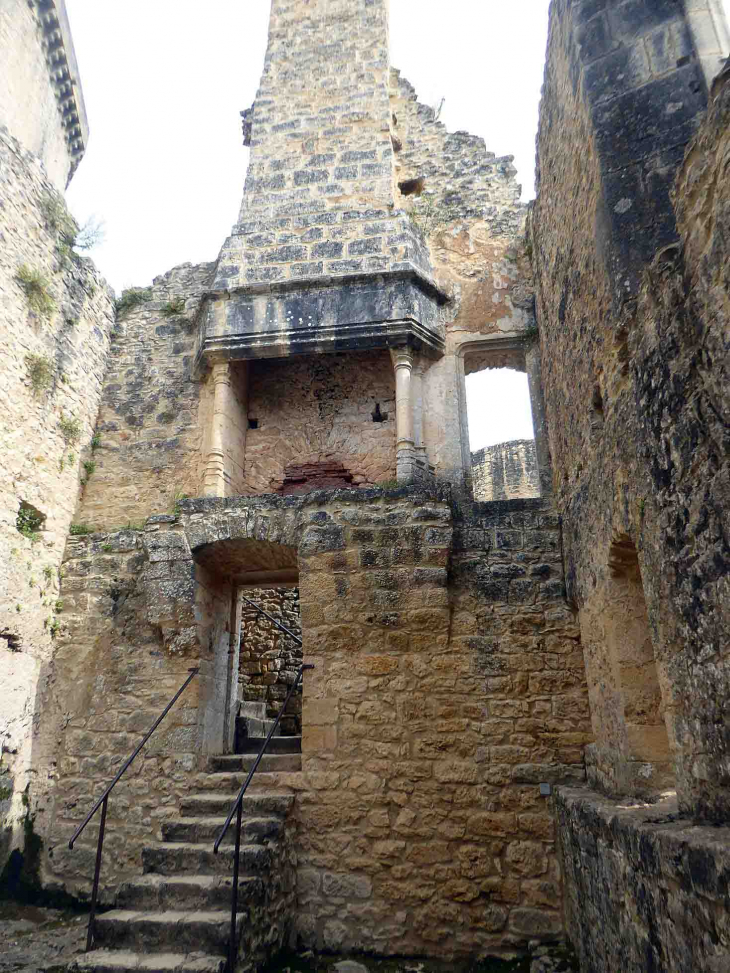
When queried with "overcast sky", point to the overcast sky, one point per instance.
{"points": [[165, 81]]}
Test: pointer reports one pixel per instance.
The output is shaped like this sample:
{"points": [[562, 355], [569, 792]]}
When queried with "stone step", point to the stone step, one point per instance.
{"points": [[255, 728], [179, 857], [270, 763], [231, 783], [193, 893], [214, 803], [252, 710], [125, 961], [253, 744], [161, 932], [205, 830]]}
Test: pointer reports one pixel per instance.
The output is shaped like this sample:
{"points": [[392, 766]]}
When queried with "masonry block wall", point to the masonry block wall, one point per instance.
{"points": [[41, 102], [434, 712], [507, 471], [637, 449], [319, 411], [56, 317]]}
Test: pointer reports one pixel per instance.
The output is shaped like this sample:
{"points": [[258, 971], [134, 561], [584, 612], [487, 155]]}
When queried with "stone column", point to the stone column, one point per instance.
{"points": [[227, 432], [404, 419]]}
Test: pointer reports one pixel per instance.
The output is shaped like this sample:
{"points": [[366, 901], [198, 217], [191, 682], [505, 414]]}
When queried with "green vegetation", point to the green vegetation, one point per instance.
{"points": [[428, 216], [37, 290], [177, 497], [71, 431], [58, 607], [79, 530], [58, 219], [175, 308], [48, 573], [40, 372], [29, 521], [131, 298], [106, 548], [95, 442], [531, 334], [89, 467]]}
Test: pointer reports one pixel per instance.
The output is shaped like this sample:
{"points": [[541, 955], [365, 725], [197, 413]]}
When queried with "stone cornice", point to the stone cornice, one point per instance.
{"points": [[64, 74]]}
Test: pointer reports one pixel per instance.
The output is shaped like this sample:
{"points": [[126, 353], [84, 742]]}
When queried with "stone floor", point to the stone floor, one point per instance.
{"points": [[37, 940], [541, 960]]}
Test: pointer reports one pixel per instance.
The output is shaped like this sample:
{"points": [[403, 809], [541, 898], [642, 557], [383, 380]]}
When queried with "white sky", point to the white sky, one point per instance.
{"points": [[165, 80]]}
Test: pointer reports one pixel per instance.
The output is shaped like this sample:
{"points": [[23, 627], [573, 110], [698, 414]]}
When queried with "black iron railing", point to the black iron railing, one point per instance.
{"points": [[103, 800], [237, 807]]}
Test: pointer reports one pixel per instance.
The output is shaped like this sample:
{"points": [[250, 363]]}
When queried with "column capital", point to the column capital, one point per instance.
{"points": [[402, 359], [221, 372]]}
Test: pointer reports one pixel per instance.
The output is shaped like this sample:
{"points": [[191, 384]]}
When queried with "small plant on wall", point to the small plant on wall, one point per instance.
{"points": [[132, 298], [37, 290], [175, 308], [40, 373], [70, 428], [29, 522]]}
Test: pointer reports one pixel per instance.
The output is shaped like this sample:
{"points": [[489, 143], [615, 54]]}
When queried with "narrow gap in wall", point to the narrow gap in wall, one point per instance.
{"points": [[379, 416], [501, 435], [253, 423]]}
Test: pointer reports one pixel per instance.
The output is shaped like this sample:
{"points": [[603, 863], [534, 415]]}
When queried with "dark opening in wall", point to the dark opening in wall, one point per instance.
{"points": [[30, 520], [379, 416], [412, 187], [597, 402], [253, 423], [11, 640]]}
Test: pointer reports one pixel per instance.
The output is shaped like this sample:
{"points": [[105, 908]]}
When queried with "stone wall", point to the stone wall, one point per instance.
{"points": [[507, 471], [154, 412], [432, 717], [54, 338], [269, 660], [632, 390], [41, 102], [315, 409], [643, 890]]}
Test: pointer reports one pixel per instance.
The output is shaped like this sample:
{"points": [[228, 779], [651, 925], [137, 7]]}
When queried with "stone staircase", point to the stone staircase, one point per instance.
{"points": [[176, 915]]}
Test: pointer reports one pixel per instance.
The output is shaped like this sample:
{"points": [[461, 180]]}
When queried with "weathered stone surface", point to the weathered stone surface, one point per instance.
{"points": [[669, 875], [507, 471]]}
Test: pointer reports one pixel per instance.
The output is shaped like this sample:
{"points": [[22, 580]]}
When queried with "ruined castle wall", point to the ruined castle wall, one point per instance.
{"points": [[507, 471], [470, 214], [36, 86], [320, 409], [106, 685], [154, 412], [643, 890], [53, 356], [429, 722], [635, 449]]}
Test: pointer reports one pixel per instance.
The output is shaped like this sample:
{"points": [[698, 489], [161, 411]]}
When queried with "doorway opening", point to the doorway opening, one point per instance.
{"points": [[268, 662]]}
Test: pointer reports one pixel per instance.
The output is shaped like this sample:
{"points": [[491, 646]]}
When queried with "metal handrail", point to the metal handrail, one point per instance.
{"points": [[102, 803], [237, 807]]}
